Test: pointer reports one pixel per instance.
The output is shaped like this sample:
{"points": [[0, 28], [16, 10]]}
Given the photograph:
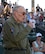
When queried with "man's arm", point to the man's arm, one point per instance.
{"points": [[16, 35], [43, 50]]}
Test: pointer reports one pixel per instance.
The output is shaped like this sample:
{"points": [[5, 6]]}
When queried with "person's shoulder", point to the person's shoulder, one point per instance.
{"points": [[34, 42], [42, 42], [7, 21]]}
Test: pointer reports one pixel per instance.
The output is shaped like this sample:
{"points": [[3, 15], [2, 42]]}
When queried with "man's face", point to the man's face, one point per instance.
{"points": [[21, 14]]}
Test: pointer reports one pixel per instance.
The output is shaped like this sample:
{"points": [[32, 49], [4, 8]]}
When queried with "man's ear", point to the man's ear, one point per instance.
{"points": [[15, 13]]}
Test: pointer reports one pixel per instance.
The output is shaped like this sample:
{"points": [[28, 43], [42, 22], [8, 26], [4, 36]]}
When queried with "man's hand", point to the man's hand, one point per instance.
{"points": [[30, 24]]}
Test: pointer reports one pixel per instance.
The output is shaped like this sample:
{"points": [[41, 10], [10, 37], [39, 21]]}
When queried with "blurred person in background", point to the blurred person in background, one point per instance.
{"points": [[33, 21], [6, 11], [37, 8], [38, 45], [28, 15]]}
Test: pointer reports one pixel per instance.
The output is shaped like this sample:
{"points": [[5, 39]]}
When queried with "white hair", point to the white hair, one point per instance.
{"points": [[16, 8]]}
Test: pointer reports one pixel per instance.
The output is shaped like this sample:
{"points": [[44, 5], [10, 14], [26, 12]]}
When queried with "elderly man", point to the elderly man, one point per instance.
{"points": [[15, 33]]}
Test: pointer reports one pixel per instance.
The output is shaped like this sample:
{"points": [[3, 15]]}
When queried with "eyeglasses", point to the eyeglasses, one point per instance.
{"points": [[39, 36], [23, 13]]}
